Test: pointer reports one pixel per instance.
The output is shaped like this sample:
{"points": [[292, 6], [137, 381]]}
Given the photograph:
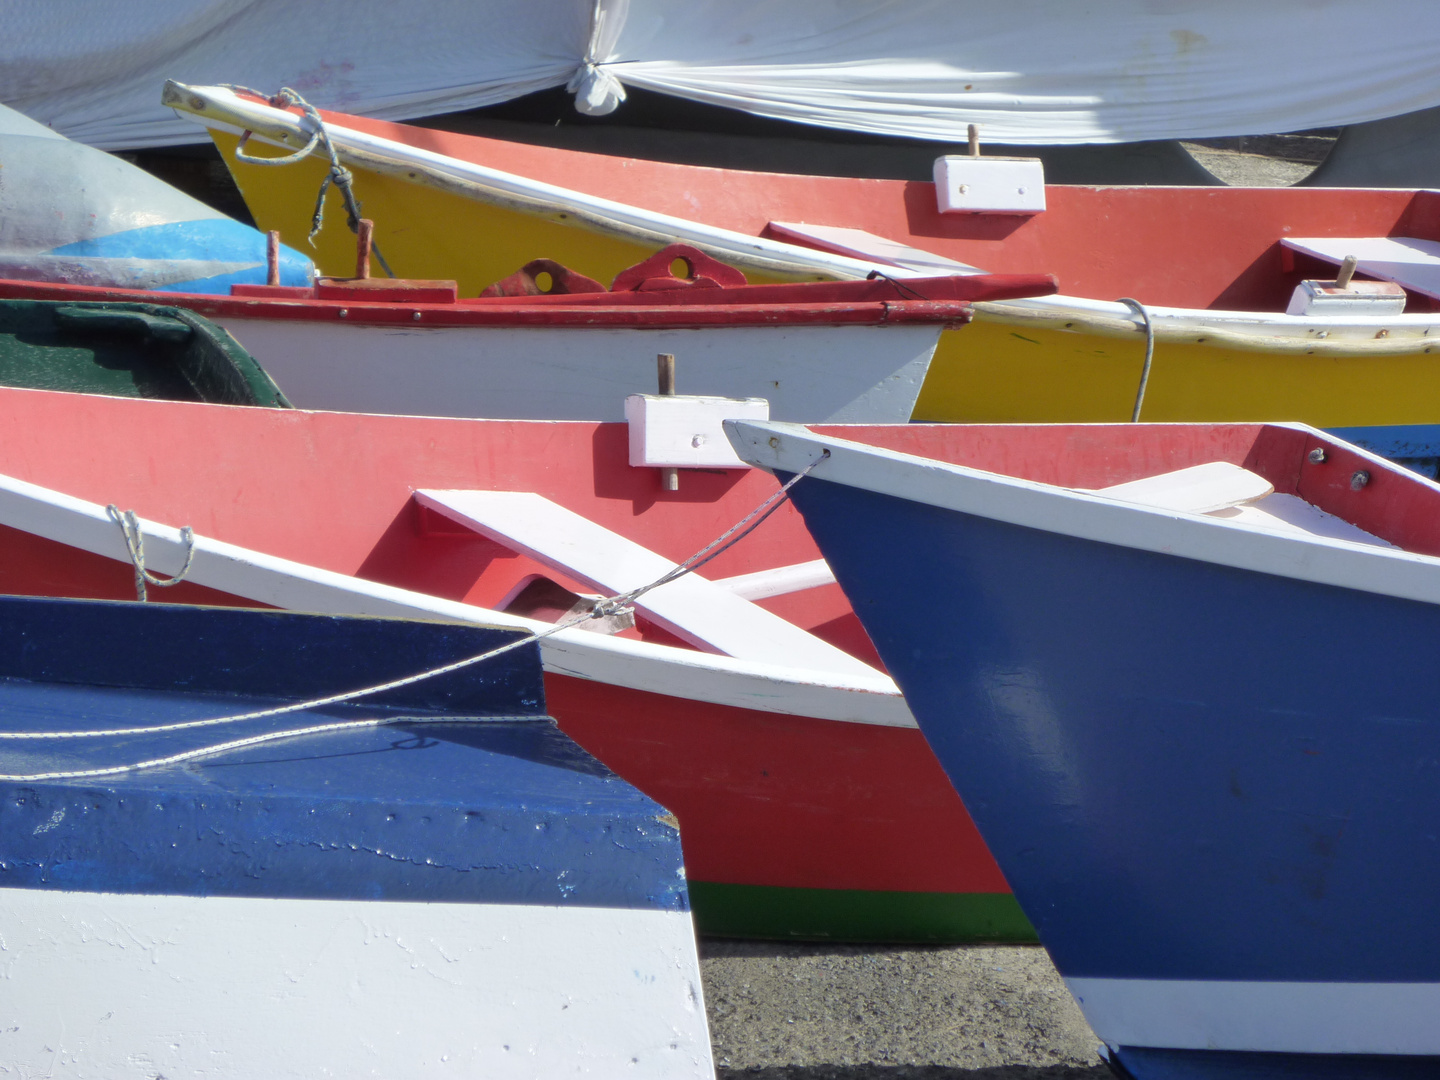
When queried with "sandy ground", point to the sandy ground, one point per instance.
{"points": [[780, 1011]]}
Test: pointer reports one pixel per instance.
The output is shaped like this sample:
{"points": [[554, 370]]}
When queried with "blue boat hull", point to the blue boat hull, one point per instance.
{"points": [[461, 884], [1216, 793]]}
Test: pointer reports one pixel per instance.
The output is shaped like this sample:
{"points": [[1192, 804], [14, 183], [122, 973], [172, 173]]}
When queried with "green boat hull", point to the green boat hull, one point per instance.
{"points": [[128, 350], [855, 915]]}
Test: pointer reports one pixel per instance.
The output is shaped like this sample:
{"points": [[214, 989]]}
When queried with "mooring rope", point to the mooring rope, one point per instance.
{"points": [[341, 177], [600, 609], [1144, 313], [135, 545]]}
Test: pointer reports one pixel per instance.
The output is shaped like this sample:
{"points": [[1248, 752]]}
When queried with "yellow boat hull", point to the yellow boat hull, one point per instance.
{"points": [[992, 370]]}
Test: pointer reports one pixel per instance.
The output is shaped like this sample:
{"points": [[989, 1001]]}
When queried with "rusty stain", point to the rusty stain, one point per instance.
{"points": [[669, 819]]}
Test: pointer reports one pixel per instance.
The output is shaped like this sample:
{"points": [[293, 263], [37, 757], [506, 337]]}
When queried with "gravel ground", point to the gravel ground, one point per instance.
{"points": [[781, 1011], [1263, 160]]}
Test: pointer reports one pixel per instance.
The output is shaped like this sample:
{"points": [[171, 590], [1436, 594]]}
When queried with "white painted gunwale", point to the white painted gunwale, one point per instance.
{"points": [[284, 583], [1220, 541], [1181, 320], [1274, 1017]]}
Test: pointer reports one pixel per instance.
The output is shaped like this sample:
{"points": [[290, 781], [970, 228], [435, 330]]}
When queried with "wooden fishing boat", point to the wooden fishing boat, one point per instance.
{"points": [[480, 894], [1183, 678], [127, 349], [69, 212], [1215, 267], [743, 698], [843, 351]]}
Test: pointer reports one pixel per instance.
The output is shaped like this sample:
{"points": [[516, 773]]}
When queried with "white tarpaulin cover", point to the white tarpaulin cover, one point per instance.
{"points": [[1028, 71]]}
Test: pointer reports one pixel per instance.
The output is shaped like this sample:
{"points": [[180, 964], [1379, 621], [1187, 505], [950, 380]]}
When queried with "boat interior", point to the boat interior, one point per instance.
{"points": [[1283, 477], [1222, 248]]}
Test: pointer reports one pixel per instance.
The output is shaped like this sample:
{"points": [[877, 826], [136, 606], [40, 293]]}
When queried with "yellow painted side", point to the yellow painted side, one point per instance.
{"points": [[988, 372], [422, 232], [983, 372]]}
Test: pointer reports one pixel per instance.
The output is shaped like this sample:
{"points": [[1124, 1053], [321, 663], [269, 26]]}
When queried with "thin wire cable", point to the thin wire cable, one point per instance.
{"points": [[1144, 313], [600, 609]]}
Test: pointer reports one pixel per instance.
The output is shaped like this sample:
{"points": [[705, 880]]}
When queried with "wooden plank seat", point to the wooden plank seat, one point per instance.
{"points": [[1225, 490], [1411, 263], [706, 614], [859, 244]]}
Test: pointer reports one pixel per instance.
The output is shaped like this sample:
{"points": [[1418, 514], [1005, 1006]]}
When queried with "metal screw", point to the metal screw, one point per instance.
{"points": [[416, 316], [774, 442], [344, 313], [1317, 455], [1359, 479]]}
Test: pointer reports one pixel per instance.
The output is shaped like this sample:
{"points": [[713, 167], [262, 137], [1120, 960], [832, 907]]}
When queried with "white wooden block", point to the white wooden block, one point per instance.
{"points": [[684, 430], [989, 185], [1358, 298], [707, 615], [1199, 489], [1411, 263]]}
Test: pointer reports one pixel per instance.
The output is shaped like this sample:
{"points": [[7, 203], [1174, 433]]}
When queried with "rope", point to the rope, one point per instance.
{"points": [[600, 609], [135, 545], [1144, 313], [256, 740], [337, 174]]}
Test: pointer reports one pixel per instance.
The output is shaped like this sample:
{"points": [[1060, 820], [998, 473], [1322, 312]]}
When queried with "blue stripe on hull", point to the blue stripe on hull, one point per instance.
{"points": [[1185, 771], [497, 812], [1153, 1064], [207, 240], [1416, 446]]}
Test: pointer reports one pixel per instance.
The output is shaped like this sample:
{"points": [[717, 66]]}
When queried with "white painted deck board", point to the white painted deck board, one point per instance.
{"points": [[1411, 263], [1292, 514], [707, 615], [1200, 489], [860, 244]]}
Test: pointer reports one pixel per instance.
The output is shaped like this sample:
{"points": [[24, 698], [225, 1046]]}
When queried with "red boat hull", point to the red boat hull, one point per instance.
{"points": [[793, 825]]}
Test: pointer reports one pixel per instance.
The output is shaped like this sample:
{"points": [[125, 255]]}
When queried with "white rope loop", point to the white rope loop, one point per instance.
{"points": [[134, 541], [135, 545]]}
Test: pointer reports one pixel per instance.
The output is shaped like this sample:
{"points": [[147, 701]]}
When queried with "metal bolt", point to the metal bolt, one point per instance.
{"points": [[416, 316], [697, 441], [774, 442], [344, 313], [1317, 455], [1359, 479]]}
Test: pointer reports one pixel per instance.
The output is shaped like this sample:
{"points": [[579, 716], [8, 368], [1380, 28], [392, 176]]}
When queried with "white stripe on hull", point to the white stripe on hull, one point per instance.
{"points": [[841, 374], [113, 987], [1286, 1017]]}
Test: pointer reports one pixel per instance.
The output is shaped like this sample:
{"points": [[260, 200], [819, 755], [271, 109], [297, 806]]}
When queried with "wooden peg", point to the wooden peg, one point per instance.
{"points": [[272, 257], [1347, 271], [363, 236], [665, 368]]}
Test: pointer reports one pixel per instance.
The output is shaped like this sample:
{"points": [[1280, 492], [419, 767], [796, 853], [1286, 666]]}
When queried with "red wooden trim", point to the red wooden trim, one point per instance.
{"points": [[513, 311]]}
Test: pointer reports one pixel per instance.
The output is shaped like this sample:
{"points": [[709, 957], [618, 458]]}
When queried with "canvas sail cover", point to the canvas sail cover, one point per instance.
{"points": [[1028, 71]]}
